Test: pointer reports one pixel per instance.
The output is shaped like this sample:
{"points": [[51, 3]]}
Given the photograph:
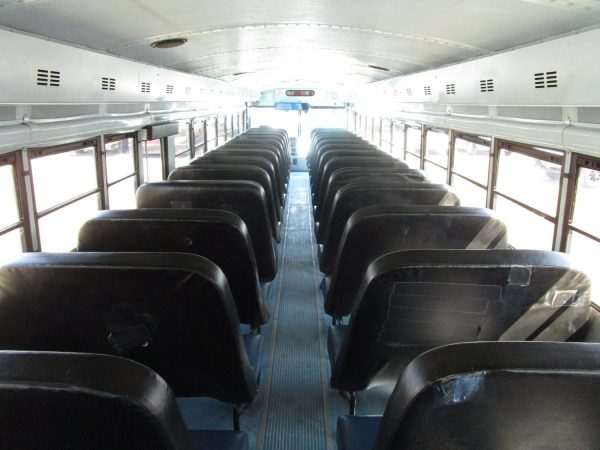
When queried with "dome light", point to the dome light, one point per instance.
{"points": [[168, 43]]}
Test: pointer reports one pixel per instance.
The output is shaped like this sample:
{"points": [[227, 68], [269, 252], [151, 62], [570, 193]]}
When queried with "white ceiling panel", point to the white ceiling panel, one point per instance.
{"points": [[271, 42]]}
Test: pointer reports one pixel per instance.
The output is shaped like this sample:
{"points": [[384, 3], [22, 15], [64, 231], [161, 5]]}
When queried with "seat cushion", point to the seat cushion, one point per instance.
{"points": [[219, 440], [357, 432]]}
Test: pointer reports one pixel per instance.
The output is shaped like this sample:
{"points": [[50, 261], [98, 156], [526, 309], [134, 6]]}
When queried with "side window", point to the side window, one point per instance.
{"points": [[412, 153], [11, 218], [198, 137], [368, 128], [66, 192], [526, 193], [436, 155], [211, 134], [470, 169], [583, 229], [222, 126], [386, 135], [398, 140], [152, 160], [120, 171], [183, 151]]}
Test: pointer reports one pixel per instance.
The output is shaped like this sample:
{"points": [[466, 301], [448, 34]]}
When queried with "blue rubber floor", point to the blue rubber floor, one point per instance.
{"points": [[295, 408]]}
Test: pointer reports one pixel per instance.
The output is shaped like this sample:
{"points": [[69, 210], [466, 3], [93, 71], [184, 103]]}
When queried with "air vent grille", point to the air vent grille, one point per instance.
{"points": [[427, 90], [108, 84], [486, 85], [169, 88], [450, 89], [409, 92], [47, 77], [145, 88], [545, 79]]}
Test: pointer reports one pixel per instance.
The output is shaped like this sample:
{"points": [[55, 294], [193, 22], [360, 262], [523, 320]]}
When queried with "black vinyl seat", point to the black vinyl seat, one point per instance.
{"points": [[377, 230], [252, 151], [234, 172], [246, 199], [488, 395], [214, 157], [412, 301], [336, 151], [325, 144], [354, 196], [172, 312], [219, 236], [341, 177], [375, 160], [278, 141], [320, 137], [58, 401], [270, 150]]}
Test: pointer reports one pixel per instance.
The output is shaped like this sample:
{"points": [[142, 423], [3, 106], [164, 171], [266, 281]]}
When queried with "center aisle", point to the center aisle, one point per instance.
{"points": [[296, 413]]}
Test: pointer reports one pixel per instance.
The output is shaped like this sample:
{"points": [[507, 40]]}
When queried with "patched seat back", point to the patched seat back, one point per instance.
{"points": [[417, 300], [172, 312]]}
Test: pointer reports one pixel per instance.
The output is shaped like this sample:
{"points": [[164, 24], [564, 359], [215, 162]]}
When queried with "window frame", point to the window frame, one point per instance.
{"points": [[15, 160]]}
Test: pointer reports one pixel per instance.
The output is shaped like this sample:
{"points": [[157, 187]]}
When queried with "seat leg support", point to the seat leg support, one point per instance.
{"points": [[237, 412], [350, 397]]}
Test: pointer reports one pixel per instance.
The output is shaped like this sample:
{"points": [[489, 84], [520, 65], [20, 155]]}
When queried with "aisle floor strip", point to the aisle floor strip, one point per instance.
{"points": [[295, 407]]}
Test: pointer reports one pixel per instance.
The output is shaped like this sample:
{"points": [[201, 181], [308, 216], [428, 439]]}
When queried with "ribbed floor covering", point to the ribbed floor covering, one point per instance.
{"points": [[295, 408], [296, 413]]}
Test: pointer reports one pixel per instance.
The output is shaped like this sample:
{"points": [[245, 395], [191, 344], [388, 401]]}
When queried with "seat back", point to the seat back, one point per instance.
{"points": [[319, 143], [381, 229], [74, 401], [215, 157], [354, 196], [219, 236], [341, 177], [497, 395], [246, 199], [410, 302], [172, 312], [272, 151], [279, 143], [376, 160], [233, 172], [331, 151], [254, 150]]}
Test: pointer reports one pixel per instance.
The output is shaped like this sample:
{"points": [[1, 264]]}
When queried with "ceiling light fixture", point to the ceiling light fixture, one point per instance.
{"points": [[385, 69], [168, 43]]}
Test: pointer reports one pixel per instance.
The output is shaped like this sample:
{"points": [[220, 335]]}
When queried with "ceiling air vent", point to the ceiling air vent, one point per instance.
{"points": [[108, 84], [145, 87], [47, 77], [486, 85], [450, 89], [409, 92], [427, 90], [546, 79]]}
